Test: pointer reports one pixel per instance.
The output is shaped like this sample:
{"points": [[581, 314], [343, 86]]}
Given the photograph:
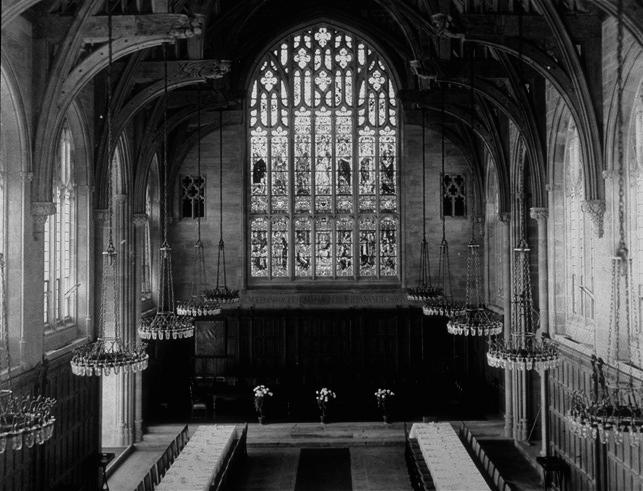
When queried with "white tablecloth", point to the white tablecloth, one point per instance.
{"points": [[200, 461], [448, 461]]}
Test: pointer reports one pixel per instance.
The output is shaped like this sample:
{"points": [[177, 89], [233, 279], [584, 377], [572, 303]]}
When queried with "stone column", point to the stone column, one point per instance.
{"points": [[505, 220], [540, 215], [139, 221]]}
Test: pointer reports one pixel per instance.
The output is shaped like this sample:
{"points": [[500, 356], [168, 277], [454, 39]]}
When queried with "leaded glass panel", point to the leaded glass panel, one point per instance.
{"points": [[323, 160]]}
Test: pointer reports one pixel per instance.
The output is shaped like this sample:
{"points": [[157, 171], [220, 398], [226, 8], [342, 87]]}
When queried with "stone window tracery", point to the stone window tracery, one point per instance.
{"points": [[59, 237], [323, 160], [192, 196], [454, 198]]}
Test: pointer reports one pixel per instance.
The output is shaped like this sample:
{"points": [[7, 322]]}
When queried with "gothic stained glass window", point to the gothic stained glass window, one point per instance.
{"points": [[323, 170]]}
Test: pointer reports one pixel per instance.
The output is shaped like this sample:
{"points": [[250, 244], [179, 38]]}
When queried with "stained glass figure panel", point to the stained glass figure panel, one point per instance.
{"points": [[323, 160]]}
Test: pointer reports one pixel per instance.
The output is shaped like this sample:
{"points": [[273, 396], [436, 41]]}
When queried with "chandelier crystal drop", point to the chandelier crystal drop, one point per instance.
{"points": [[611, 412], [109, 355], [221, 294], [424, 291], [166, 324], [199, 305], [476, 320], [524, 349], [25, 420]]}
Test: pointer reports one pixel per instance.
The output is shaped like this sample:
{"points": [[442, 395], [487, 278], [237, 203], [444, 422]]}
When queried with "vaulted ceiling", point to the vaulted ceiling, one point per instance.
{"points": [[501, 52]]}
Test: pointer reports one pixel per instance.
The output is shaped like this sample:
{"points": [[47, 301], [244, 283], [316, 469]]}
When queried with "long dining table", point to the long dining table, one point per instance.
{"points": [[198, 464], [446, 457]]}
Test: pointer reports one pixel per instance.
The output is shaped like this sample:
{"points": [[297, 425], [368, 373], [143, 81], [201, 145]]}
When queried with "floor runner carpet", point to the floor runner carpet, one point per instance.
{"points": [[324, 469]]}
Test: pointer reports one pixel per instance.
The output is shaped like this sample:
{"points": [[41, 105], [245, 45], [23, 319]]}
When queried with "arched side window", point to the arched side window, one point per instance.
{"points": [[579, 240], [146, 267], [59, 240], [324, 161], [635, 171]]}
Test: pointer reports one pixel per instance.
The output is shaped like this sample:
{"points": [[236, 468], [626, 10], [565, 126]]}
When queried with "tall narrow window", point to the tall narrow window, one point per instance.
{"points": [[454, 197], [323, 161], [146, 270], [578, 237], [59, 236]]}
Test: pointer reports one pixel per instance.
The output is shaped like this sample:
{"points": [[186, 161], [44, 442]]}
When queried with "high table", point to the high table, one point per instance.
{"points": [[201, 459], [448, 461]]}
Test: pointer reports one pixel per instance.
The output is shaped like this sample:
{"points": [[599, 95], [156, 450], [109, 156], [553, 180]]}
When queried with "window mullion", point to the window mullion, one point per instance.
{"points": [[313, 169], [269, 183], [291, 164]]}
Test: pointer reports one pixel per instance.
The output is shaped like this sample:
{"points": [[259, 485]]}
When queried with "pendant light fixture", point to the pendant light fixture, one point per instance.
{"points": [[609, 413], [166, 323], [443, 304], [525, 349], [108, 355], [199, 306], [222, 294], [24, 420], [476, 320], [424, 291]]}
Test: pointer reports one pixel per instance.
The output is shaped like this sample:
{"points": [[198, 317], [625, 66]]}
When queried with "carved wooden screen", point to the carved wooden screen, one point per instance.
{"points": [[323, 161]]}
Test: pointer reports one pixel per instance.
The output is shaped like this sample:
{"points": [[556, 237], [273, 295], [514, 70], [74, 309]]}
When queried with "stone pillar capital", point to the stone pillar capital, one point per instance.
{"points": [[504, 217], [140, 219], [539, 213], [120, 198], [595, 208], [101, 215], [26, 176]]}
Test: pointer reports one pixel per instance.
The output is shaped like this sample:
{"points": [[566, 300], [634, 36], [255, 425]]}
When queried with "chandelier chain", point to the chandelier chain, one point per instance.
{"points": [[198, 159], [3, 319], [165, 163], [423, 174]]}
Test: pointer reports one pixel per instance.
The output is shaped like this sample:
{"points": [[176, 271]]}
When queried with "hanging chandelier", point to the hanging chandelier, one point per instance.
{"points": [[24, 420], [198, 305], [108, 355], [424, 291], [443, 303], [221, 294], [166, 323], [476, 320], [524, 349], [612, 412]]}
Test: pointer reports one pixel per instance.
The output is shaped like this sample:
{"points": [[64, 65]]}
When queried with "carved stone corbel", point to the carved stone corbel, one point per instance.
{"points": [[595, 208], [206, 69], [538, 213], [504, 217], [40, 210]]}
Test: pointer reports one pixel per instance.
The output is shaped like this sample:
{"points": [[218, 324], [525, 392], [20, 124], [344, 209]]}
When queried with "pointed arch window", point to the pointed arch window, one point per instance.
{"points": [[59, 239], [578, 236], [323, 176]]}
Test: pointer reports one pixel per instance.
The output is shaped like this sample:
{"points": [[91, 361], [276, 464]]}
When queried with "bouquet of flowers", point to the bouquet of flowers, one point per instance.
{"points": [[261, 392], [323, 397], [382, 396]]}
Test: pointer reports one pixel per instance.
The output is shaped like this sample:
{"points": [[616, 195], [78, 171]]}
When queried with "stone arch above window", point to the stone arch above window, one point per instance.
{"points": [[323, 170]]}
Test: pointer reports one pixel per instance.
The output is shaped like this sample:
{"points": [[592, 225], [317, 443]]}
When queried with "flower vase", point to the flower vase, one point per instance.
{"points": [[385, 417], [262, 419], [322, 418]]}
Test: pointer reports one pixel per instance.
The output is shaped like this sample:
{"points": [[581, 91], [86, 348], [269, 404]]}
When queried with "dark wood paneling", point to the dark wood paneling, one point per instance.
{"points": [[354, 351], [68, 461], [593, 466]]}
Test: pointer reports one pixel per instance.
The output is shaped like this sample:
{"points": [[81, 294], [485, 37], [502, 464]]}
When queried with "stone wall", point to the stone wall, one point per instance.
{"points": [[183, 231]]}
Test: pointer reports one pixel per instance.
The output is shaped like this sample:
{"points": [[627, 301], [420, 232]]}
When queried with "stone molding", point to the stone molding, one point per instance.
{"points": [[595, 208], [101, 215]]}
